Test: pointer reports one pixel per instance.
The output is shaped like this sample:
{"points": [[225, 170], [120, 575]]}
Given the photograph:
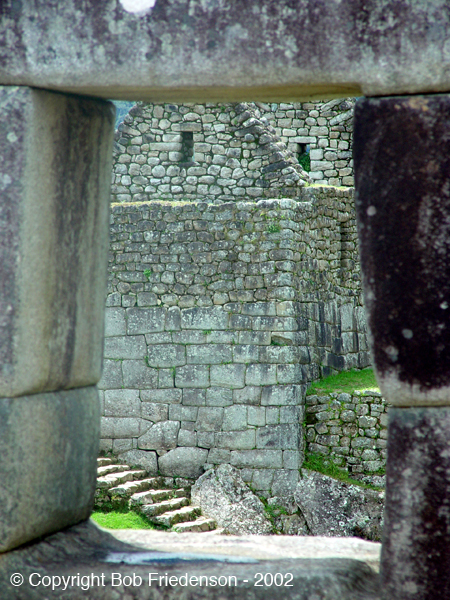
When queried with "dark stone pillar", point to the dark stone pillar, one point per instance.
{"points": [[402, 169]]}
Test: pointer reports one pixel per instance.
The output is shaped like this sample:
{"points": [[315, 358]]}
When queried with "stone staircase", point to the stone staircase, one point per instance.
{"points": [[164, 501]]}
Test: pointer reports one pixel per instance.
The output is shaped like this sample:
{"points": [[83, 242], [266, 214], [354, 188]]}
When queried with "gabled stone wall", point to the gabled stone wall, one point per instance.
{"points": [[326, 127], [218, 316], [209, 151], [231, 152]]}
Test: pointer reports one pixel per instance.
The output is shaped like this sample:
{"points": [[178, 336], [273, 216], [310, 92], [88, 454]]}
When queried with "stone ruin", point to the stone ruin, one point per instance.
{"points": [[231, 152], [58, 62], [223, 306]]}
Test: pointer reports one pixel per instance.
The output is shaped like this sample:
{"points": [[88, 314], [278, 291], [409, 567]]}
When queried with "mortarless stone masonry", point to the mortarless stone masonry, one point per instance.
{"points": [[218, 316], [351, 429], [231, 151]]}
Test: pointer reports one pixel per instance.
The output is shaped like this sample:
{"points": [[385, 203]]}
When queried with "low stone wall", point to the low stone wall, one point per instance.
{"points": [[349, 428], [218, 316]]}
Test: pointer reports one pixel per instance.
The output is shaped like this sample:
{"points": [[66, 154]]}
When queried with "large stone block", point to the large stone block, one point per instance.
{"points": [[285, 437], [183, 462], [115, 321], [192, 376], [415, 554], [48, 449], [167, 355], [405, 261], [136, 374], [54, 173], [223, 496], [228, 376], [160, 437], [325, 568], [254, 459], [394, 56], [122, 403], [111, 375]]}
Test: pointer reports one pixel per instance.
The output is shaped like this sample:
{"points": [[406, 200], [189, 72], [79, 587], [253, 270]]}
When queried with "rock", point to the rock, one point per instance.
{"points": [[48, 466], [161, 436], [333, 573], [222, 495], [334, 508], [141, 458], [183, 462], [54, 235]]}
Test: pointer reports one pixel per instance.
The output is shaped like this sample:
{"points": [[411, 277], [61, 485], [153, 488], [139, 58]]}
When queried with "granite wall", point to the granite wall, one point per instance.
{"points": [[231, 152], [218, 316]]}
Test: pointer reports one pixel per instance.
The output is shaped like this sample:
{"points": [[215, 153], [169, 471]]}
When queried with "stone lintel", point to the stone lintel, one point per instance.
{"points": [[48, 451], [180, 51], [54, 185]]}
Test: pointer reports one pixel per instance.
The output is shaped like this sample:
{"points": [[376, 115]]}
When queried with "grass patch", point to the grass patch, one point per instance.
{"points": [[347, 382], [322, 464], [121, 520]]}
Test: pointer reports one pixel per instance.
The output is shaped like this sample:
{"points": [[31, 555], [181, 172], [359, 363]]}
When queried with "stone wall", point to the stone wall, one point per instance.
{"points": [[326, 127], [349, 428], [231, 151], [218, 316], [209, 151]]}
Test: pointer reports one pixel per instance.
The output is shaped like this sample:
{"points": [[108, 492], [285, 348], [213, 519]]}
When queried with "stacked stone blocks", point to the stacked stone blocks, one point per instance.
{"points": [[218, 152], [218, 315], [349, 428]]}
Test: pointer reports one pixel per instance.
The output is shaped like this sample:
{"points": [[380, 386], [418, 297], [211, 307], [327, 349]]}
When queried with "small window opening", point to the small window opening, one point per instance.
{"points": [[303, 156], [187, 147]]}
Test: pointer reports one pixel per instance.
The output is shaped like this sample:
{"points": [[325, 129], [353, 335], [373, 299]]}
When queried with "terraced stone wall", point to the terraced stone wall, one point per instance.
{"points": [[351, 429], [218, 316]]}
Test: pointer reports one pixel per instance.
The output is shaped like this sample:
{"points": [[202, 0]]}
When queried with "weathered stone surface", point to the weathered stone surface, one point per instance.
{"points": [[334, 508], [54, 229], [342, 570], [141, 458], [48, 449], [161, 436], [396, 54], [406, 268], [223, 496], [183, 462], [415, 555]]}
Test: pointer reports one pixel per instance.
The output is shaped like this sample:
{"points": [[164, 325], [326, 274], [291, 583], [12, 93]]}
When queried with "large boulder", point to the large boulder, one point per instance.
{"points": [[334, 508], [222, 495]]}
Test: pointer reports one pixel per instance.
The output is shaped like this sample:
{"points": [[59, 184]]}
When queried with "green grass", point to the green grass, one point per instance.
{"points": [[347, 382], [121, 520], [322, 464], [305, 161]]}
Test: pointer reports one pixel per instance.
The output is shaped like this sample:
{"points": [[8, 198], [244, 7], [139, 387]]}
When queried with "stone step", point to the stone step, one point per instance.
{"points": [[114, 479], [103, 462], [154, 510], [107, 469], [127, 489], [168, 519], [200, 525], [150, 497]]}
